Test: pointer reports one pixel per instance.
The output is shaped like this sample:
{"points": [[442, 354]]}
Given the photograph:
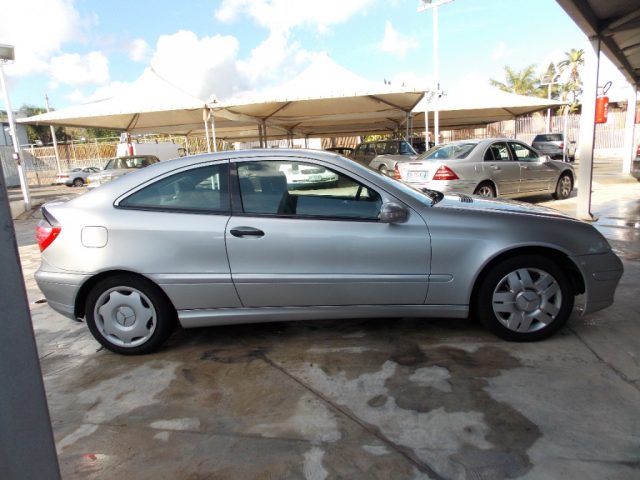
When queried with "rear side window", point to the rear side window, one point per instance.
{"points": [[449, 152], [203, 189], [549, 137]]}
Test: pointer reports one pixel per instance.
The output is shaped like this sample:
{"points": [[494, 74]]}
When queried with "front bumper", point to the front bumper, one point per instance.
{"points": [[601, 273], [60, 290]]}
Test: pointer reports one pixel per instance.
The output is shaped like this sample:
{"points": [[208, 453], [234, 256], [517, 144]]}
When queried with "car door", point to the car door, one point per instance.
{"points": [[321, 244], [536, 174], [500, 167], [172, 230]]}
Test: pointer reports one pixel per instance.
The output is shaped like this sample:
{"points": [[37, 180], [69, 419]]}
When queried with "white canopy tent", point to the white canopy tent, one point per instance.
{"points": [[150, 104], [479, 105]]}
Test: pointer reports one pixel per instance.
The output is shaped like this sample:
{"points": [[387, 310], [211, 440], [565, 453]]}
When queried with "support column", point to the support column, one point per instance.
{"points": [[213, 131], [588, 128], [27, 449], [629, 131]]}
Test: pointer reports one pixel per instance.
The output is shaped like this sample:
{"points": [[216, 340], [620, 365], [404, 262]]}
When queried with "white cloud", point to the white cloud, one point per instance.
{"points": [[286, 14], [139, 50], [200, 66], [501, 51], [273, 56], [37, 28], [395, 43], [75, 69]]}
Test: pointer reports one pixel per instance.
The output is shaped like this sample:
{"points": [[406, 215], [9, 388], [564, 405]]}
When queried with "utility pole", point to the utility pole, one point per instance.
{"points": [[6, 54], [53, 136], [426, 5]]}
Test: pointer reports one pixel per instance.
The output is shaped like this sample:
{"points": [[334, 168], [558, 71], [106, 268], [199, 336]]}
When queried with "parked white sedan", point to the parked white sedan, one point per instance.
{"points": [[496, 167]]}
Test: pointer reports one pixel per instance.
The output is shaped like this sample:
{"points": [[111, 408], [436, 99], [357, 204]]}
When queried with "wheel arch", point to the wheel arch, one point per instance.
{"points": [[489, 182], [81, 297], [575, 277]]}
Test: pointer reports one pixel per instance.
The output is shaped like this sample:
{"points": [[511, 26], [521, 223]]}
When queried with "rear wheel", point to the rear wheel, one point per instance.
{"points": [[563, 187], [525, 298], [78, 182], [383, 170], [129, 314], [485, 189]]}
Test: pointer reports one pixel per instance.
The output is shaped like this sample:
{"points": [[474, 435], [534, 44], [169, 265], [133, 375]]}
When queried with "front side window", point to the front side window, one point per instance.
{"points": [[406, 149], [301, 189], [523, 154], [203, 189]]}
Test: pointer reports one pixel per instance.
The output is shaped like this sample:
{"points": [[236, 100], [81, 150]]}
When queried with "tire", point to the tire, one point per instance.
{"points": [[486, 190], [383, 170], [78, 182], [563, 187], [124, 298], [525, 298]]}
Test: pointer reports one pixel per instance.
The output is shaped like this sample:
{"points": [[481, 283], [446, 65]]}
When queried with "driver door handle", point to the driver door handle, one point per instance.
{"points": [[242, 232]]}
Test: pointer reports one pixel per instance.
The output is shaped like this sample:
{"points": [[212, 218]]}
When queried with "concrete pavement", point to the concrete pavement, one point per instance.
{"points": [[390, 398]]}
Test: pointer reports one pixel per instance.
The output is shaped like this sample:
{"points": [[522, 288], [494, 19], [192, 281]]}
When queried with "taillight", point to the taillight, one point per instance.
{"points": [[47, 230], [445, 173], [561, 145], [396, 172]]}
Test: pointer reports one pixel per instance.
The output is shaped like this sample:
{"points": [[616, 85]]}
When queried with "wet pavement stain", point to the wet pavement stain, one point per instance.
{"points": [[509, 432]]}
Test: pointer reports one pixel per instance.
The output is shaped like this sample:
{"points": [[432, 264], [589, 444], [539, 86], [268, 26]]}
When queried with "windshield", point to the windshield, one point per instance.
{"points": [[128, 162], [448, 151], [419, 193]]}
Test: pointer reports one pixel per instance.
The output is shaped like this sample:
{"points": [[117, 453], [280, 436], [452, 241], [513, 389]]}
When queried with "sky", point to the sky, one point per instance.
{"points": [[77, 51]]}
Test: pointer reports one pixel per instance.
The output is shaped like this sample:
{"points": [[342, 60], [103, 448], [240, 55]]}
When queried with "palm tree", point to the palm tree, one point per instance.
{"points": [[573, 62], [524, 82]]}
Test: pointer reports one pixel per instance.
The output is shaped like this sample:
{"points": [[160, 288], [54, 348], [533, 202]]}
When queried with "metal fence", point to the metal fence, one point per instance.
{"points": [[41, 168], [609, 138]]}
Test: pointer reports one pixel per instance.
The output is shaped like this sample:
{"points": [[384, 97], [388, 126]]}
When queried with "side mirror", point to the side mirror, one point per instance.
{"points": [[393, 213]]}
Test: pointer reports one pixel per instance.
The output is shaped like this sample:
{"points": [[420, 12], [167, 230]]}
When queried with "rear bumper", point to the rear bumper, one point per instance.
{"points": [[601, 274], [60, 290]]}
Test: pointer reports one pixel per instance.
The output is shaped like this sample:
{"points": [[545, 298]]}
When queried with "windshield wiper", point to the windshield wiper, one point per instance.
{"points": [[434, 195]]}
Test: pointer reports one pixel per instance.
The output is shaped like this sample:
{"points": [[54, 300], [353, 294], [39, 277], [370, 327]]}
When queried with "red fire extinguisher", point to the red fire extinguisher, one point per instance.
{"points": [[602, 103]]}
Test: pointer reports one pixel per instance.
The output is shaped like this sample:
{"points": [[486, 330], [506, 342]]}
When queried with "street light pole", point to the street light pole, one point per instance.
{"points": [[426, 5], [24, 186], [552, 81], [53, 136]]}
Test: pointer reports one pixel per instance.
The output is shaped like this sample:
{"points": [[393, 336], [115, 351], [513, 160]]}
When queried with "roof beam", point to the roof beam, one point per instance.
{"points": [[621, 24]]}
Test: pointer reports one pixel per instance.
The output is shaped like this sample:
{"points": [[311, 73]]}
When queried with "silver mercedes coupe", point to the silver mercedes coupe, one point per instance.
{"points": [[225, 238]]}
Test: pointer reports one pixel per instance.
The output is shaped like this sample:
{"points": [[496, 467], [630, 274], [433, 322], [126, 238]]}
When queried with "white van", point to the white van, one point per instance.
{"points": [[162, 150]]}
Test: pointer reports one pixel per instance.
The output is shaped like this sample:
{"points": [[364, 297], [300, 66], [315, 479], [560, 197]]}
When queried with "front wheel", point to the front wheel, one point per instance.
{"points": [[486, 190], [130, 315], [563, 187], [525, 298]]}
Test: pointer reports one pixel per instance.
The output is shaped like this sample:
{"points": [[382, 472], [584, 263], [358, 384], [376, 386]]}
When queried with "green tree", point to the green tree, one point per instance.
{"points": [[523, 82], [41, 133], [572, 63]]}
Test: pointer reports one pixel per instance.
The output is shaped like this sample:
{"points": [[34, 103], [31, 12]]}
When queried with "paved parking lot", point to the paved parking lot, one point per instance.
{"points": [[389, 398]]}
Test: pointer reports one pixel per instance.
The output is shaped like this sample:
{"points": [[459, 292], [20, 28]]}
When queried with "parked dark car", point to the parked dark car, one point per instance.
{"points": [[344, 151], [384, 155], [555, 146]]}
